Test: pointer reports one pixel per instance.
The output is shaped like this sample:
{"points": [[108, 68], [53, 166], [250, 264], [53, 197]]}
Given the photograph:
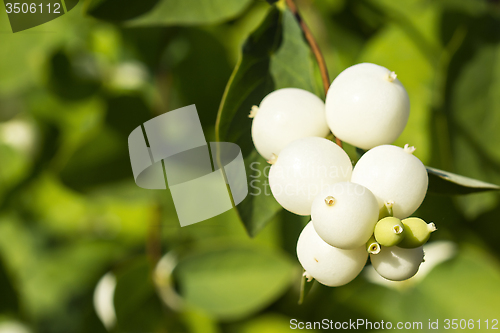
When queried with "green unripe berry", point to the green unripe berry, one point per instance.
{"points": [[372, 247], [389, 231], [416, 232]]}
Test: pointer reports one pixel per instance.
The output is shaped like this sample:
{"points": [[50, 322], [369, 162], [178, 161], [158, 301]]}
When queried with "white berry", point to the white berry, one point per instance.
{"points": [[329, 265], [303, 169], [344, 215], [393, 174], [367, 106], [397, 264], [286, 115]]}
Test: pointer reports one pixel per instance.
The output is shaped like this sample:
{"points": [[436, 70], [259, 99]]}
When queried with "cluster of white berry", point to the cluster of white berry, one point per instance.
{"points": [[355, 212]]}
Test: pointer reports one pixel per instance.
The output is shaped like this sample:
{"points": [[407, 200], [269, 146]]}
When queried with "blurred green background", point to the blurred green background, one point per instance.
{"points": [[83, 249]]}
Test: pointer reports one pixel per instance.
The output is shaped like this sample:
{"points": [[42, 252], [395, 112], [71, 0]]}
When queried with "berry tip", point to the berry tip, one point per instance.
{"points": [[253, 111], [392, 76], [329, 200]]}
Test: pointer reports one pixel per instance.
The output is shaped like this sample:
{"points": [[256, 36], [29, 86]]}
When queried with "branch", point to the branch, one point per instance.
{"points": [[315, 49]]}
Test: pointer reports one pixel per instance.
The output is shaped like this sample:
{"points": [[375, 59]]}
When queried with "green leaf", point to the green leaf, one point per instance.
{"points": [[192, 12], [476, 101], [249, 83], [23, 19], [70, 4], [443, 182], [233, 282], [467, 286], [291, 65], [474, 118], [66, 83], [274, 56], [119, 10]]}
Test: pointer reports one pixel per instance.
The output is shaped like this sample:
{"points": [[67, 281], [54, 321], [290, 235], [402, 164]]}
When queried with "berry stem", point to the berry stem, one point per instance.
{"points": [[372, 246], [315, 50], [305, 286], [389, 206]]}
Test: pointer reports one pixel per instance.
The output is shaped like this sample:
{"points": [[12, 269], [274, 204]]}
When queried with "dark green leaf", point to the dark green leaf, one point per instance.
{"points": [[474, 114], [476, 101], [443, 182], [251, 79], [192, 12], [68, 84], [249, 83], [26, 19], [70, 4], [234, 281], [274, 56], [291, 65]]}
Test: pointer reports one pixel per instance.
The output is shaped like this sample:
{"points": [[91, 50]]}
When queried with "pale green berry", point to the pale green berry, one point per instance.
{"points": [[389, 231], [416, 232], [397, 264], [372, 246]]}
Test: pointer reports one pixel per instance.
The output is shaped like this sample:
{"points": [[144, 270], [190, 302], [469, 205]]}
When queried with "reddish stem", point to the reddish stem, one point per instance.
{"points": [[315, 49]]}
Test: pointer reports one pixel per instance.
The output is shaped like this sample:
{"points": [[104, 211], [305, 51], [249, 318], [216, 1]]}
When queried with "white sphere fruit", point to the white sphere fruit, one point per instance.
{"points": [[286, 115], [344, 215], [303, 168], [397, 264], [367, 106], [393, 174], [329, 265]]}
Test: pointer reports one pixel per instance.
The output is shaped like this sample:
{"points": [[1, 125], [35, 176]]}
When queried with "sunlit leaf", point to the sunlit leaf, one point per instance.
{"points": [[443, 182], [233, 282]]}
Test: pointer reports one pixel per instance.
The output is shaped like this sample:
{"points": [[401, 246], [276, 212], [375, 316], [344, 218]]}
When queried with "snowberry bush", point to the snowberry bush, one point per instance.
{"points": [[355, 213]]}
